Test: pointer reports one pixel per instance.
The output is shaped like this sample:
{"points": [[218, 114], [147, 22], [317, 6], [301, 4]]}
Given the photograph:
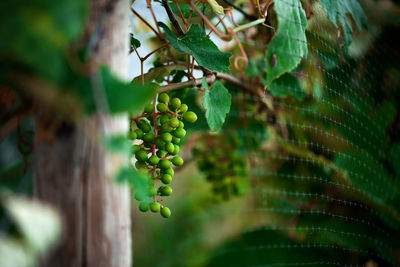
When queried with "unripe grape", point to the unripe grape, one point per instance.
{"points": [[140, 165], [144, 206], [149, 137], [153, 160], [167, 137], [159, 143], [163, 98], [175, 103], [161, 153], [181, 124], [165, 212], [152, 191], [165, 164], [166, 178], [176, 150], [149, 108], [170, 171], [170, 147], [183, 108], [177, 161], [141, 155], [166, 128], [145, 127], [190, 116], [180, 133], [165, 190], [164, 118], [139, 133], [155, 207], [174, 122], [161, 107], [133, 135], [176, 140], [135, 148]]}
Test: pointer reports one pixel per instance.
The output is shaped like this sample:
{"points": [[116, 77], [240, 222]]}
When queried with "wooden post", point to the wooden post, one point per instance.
{"points": [[73, 173]]}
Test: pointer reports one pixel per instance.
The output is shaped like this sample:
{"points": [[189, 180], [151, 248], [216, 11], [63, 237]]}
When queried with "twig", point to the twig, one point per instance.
{"points": [[148, 24], [172, 18], [248, 16]]}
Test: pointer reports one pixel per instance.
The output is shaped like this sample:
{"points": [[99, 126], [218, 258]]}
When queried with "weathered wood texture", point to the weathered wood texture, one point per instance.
{"points": [[73, 173]]}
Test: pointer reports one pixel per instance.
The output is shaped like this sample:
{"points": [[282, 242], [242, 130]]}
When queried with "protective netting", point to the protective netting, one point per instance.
{"points": [[323, 168]]}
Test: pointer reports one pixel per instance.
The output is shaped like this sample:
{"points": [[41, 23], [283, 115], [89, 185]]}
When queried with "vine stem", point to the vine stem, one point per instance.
{"points": [[154, 114]]}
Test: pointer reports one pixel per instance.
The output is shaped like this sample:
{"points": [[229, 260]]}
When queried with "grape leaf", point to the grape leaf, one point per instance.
{"points": [[217, 102], [122, 96], [289, 45], [286, 85], [196, 43], [134, 42], [337, 12]]}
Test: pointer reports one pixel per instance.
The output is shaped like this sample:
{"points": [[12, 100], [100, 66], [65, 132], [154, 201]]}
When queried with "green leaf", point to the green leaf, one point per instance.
{"points": [[289, 45], [286, 85], [122, 96], [252, 70], [134, 42], [185, 9], [337, 12], [196, 43], [217, 102]]}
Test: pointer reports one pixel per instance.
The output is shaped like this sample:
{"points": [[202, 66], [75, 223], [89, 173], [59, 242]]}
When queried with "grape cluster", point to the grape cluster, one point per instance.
{"points": [[223, 166], [160, 129]]}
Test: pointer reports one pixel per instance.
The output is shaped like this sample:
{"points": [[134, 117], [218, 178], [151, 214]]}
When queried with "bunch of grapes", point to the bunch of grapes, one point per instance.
{"points": [[223, 166], [160, 129]]}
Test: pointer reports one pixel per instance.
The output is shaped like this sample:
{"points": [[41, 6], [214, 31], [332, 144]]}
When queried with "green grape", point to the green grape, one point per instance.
{"points": [[176, 150], [135, 148], [159, 143], [166, 178], [165, 212], [148, 145], [183, 108], [176, 140], [163, 98], [170, 147], [167, 137], [190, 116], [161, 107], [181, 124], [139, 133], [165, 164], [149, 108], [141, 155], [164, 118], [140, 165], [153, 160], [144, 206], [180, 133], [149, 137], [166, 128], [177, 161], [133, 135], [155, 207], [152, 191], [146, 127], [165, 190], [175, 103], [161, 153], [139, 196], [170, 171], [174, 122]]}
